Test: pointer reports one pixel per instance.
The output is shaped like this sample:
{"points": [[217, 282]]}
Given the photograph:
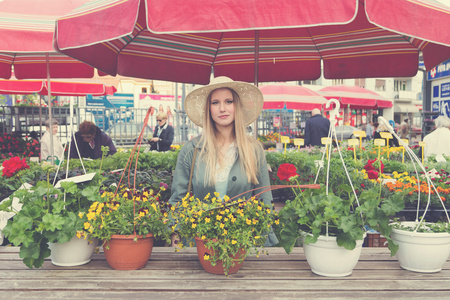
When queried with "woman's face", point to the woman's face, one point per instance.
{"points": [[54, 129], [222, 107], [87, 137]]}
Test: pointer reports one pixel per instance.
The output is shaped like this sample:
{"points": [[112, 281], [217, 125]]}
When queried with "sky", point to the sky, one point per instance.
{"points": [[446, 2]]}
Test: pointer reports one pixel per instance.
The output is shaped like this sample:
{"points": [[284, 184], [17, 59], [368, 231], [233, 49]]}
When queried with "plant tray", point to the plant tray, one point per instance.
{"points": [[374, 240]]}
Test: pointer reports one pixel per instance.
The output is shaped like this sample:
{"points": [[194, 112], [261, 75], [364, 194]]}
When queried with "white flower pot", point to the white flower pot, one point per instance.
{"points": [[326, 258], [76, 252], [421, 251]]}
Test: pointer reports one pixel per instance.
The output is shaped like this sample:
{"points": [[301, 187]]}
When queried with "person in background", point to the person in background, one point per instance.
{"points": [[375, 127], [383, 128], [163, 135], [404, 129], [316, 128], [90, 140], [369, 131], [438, 141], [229, 161], [58, 149]]}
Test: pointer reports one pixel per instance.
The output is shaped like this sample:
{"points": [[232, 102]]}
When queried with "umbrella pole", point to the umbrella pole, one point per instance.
{"points": [[49, 89], [40, 118], [256, 70]]}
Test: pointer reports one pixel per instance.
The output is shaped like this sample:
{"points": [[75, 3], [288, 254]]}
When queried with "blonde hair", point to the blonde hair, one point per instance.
{"points": [[247, 146], [161, 115]]}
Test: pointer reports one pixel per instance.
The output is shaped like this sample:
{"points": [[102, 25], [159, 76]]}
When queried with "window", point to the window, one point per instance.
{"points": [[338, 81], [144, 90], [361, 82], [380, 85], [399, 85]]}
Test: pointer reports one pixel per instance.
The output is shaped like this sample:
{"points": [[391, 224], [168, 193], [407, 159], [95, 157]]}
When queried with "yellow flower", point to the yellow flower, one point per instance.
{"points": [[234, 242], [80, 215], [222, 225], [206, 256], [218, 217], [194, 225], [80, 234], [203, 237], [87, 225], [207, 220], [248, 221], [154, 206]]}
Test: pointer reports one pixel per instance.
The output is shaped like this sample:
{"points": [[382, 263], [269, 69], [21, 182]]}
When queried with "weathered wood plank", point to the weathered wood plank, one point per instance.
{"points": [[170, 275]]}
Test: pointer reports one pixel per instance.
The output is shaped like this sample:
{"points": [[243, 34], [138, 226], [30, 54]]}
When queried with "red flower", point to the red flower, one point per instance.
{"points": [[372, 174], [370, 167], [286, 171], [12, 165]]}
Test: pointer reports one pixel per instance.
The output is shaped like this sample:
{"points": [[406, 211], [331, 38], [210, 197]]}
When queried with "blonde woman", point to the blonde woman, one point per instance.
{"points": [[228, 161]]}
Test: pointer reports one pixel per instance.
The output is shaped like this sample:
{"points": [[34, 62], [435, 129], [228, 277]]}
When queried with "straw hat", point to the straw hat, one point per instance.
{"points": [[251, 99]]}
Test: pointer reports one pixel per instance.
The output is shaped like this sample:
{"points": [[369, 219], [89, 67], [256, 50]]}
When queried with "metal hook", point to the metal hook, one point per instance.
{"points": [[335, 111]]}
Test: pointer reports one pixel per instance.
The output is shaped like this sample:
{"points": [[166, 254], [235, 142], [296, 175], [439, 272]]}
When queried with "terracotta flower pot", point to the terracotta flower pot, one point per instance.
{"points": [[123, 253], [218, 268]]}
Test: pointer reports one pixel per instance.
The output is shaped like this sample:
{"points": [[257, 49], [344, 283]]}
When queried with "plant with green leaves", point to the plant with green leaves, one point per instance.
{"points": [[315, 213], [49, 214]]}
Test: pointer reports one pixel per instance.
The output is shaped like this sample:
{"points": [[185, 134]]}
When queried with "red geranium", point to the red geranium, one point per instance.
{"points": [[372, 167], [12, 165], [286, 171]]}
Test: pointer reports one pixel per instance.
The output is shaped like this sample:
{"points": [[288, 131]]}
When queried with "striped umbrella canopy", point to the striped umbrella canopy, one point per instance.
{"points": [[59, 88], [26, 45], [355, 96], [291, 97], [256, 40], [26, 31]]}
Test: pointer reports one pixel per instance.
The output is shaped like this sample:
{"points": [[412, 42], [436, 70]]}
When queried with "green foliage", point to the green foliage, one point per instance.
{"points": [[315, 213], [48, 214]]}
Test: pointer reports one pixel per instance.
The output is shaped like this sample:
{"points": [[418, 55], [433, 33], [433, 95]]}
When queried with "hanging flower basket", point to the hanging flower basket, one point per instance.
{"points": [[76, 252], [205, 253]]}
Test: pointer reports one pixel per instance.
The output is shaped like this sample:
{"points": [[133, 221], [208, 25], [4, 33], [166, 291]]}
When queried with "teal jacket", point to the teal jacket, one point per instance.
{"points": [[237, 180]]}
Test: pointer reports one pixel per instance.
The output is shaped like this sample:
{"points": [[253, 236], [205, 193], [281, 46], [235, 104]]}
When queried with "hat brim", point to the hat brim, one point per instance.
{"points": [[251, 98]]}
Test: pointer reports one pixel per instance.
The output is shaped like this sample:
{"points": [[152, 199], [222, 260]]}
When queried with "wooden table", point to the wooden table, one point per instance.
{"points": [[170, 275]]}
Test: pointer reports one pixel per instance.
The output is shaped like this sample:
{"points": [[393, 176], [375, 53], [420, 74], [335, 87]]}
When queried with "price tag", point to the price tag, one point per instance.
{"points": [[359, 134], [406, 141], [353, 142], [379, 142], [422, 144], [299, 142], [285, 139], [386, 135], [326, 140]]}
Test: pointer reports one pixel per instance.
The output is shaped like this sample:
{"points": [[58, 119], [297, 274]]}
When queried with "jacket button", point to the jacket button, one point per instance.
{"points": [[234, 178]]}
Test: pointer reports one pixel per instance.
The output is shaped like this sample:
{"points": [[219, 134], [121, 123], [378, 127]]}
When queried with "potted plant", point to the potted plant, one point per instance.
{"points": [[50, 215], [126, 222], [226, 232], [423, 246], [332, 225]]}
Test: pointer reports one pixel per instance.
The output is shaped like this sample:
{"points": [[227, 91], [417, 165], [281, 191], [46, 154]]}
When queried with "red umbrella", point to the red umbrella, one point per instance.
{"points": [[26, 31], [185, 41], [355, 96], [59, 88], [291, 97]]}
